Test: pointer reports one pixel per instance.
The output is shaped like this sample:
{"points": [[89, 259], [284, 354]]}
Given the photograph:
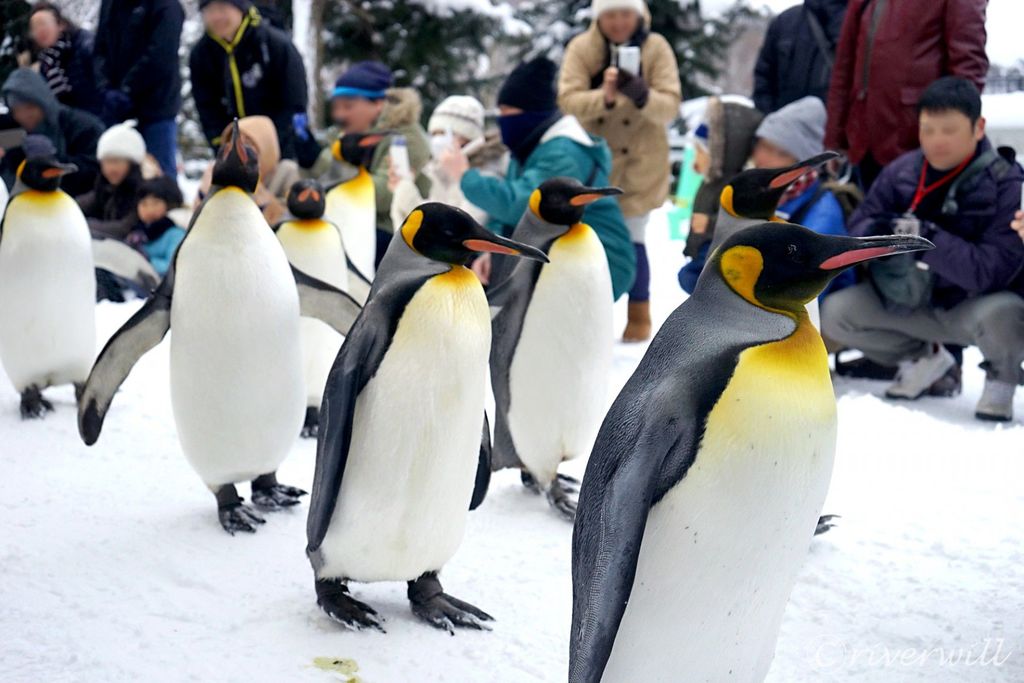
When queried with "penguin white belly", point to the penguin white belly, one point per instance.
{"points": [[236, 367], [315, 248], [47, 291], [415, 444], [352, 206], [559, 372], [722, 549]]}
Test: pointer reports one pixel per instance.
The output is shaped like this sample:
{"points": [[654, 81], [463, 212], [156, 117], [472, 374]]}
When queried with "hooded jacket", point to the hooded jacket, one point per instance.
{"points": [[889, 52], [637, 136], [73, 132], [791, 64], [258, 72], [136, 52], [566, 149]]}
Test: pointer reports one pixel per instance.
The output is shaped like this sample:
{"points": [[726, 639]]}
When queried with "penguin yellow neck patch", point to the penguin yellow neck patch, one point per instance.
{"points": [[459, 277], [309, 224], [411, 226], [576, 233]]}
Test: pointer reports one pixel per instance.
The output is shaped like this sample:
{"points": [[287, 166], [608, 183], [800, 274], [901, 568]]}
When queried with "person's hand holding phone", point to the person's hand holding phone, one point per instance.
{"points": [[610, 86]]}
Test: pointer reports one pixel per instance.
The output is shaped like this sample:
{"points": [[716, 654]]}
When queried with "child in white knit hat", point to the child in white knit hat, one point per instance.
{"points": [[110, 207], [456, 123]]}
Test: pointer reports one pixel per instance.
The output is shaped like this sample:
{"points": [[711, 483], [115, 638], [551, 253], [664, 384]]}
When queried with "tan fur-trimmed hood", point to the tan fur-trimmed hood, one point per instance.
{"points": [[403, 107]]}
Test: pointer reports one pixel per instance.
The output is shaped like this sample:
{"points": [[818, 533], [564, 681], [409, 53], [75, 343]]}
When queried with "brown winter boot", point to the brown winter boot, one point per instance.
{"points": [[638, 326]]}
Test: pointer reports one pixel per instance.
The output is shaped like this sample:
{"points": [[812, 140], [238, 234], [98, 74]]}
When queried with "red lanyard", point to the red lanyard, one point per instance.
{"points": [[923, 191]]}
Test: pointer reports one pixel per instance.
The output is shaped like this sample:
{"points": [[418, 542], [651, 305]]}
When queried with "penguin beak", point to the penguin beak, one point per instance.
{"points": [[237, 143], [589, 195], [848, 251], [58, 170], [495, 244], [371, 140], [786, 176]]}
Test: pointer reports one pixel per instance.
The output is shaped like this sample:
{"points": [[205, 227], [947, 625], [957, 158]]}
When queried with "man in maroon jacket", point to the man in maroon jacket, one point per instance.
{"points": [[889, 52]]}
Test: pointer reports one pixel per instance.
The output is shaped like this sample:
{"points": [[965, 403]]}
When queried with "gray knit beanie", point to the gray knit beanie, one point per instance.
{"points": [[798, 128]]}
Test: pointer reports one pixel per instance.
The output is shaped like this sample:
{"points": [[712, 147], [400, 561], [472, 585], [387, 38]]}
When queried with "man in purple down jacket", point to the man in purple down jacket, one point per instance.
{"points": [[961, 194]]}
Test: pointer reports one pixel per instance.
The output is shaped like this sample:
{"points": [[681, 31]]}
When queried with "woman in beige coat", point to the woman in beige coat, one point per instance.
{"points": [[632, 112]]}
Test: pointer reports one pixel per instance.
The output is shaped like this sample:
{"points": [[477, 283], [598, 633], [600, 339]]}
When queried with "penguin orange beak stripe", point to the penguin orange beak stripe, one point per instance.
{"points": [[788, 177], [370, 140], [53, 172], [860, 249], [484, 245], [593, 195]]}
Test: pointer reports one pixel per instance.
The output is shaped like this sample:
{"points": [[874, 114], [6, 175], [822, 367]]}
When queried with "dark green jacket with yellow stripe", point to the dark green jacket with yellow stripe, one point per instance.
{"points": [[258, 72]]}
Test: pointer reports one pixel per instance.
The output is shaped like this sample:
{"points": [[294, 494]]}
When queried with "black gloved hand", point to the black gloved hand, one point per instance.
{"points": [[117, 106], [634, 87]]}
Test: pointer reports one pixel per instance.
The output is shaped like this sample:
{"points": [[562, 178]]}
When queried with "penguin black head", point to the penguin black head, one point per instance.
{"points": [[306, 200], [237, 164], [755, 193], [450, 235], [43, 173], [357, 148], [562, 201], [781, 266]]}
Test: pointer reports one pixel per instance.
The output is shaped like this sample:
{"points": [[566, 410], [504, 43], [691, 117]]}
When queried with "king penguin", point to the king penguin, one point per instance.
{"points": [[315, 246], [400, 459], [47, 282], [752, 196], [553, 342], [707, 478], [235, 359], [351, 198]]}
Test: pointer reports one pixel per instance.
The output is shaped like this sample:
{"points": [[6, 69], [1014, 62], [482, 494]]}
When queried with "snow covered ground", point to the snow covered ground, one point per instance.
{"points": [[113, 566]]}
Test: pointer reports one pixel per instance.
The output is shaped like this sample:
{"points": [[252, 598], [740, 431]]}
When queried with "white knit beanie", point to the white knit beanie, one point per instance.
{"points": [[461, 114], [121, 142], [599, 7]]}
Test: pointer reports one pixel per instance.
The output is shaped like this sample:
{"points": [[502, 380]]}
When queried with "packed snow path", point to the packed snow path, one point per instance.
{"points": [[113, 566]]}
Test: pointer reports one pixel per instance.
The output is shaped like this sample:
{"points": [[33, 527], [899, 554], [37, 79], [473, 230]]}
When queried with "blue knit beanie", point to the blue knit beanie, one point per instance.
{"points": [[364, 79]]}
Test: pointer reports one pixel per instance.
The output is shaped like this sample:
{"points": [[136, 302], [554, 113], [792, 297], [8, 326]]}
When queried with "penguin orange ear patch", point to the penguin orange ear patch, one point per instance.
{"points": [[741, 266], [535, 198], [725, 199], [411, 227]]}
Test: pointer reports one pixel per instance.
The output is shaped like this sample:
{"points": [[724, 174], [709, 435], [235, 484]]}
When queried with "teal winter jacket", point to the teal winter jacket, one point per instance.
{"points": [[566, 149]]}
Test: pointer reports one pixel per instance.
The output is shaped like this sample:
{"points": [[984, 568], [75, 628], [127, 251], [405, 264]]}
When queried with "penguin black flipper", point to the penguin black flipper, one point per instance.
{"points": [[122, 260], [483, 468], [358, 360], [319, 300], [142, 332], [358, 284], [647, 443]]}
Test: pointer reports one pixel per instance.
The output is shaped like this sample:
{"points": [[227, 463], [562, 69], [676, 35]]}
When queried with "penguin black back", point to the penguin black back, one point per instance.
{"points": [[306, 200], [237, 164]]}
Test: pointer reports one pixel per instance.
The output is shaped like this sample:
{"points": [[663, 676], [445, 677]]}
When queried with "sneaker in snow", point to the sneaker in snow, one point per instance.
{"points": [[916, 377], [996, 403]]}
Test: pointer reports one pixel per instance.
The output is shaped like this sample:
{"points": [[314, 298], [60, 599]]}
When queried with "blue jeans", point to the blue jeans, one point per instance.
{"points": [[162, 142]]}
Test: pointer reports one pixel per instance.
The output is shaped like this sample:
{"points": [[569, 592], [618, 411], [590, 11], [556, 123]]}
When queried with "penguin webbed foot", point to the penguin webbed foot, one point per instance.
{"points": [[234, 514], [268, 494], [562, 497], [33, 405], [334, 599], [311, 426], [825, 523], [239, 517], [529, 482], [430, 603]]}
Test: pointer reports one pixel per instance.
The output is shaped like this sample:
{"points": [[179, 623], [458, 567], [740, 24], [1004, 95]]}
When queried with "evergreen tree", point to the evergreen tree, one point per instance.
{"points": [[439, 50], [13, 34]]}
